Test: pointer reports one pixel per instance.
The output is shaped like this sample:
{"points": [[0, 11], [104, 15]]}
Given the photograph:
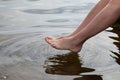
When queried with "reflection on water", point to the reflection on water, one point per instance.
{"points": [[65, 64], [89, 77], [117, 58], [116, 30], [71, 63], [24, 53]]}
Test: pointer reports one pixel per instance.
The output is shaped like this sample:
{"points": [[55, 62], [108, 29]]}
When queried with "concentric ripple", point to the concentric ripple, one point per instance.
{"points": [[24, 54]]}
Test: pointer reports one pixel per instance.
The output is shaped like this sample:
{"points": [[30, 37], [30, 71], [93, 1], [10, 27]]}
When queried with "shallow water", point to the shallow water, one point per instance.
{"points": [[24, 55]]}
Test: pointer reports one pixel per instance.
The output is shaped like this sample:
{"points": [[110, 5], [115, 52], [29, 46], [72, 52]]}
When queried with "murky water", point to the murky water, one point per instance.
{"points": [[24, 55]]}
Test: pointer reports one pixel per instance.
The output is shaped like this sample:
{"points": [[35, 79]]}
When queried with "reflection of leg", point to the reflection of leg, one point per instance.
{"points": [[99, 6], [88, 77], [100, 22]]}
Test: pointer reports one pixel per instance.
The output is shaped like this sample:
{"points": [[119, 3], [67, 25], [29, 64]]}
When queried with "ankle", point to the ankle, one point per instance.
{"points": [[77, 40]]}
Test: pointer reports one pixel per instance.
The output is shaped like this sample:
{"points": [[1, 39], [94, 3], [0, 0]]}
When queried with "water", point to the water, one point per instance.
{"points": [[24, 55]]}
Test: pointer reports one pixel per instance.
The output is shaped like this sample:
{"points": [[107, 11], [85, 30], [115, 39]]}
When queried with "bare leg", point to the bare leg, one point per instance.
{"points": [[108, 15], [98, 7]]}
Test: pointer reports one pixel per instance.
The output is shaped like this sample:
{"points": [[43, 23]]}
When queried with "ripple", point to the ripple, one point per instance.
{"points": [[33, 0], [43, 11], [22, 71], [2, 26], [58, 20], [3, 77], [70, 9], [6, 0], [26, 46]]}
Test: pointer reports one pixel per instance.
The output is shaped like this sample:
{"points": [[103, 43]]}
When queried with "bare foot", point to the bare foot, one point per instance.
{"points": [[64, 43]]}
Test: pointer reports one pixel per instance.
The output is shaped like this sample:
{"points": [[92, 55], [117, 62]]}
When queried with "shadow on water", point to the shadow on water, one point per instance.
{"points": [[65, 64], [116, 30], [88, 77]]}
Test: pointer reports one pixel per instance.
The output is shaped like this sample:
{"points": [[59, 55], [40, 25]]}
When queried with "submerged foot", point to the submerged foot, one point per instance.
{"points": [[64, 43]]}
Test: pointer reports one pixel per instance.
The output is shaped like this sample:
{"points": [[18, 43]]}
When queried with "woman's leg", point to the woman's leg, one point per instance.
{"points": [[108, 15], [98, 7]]}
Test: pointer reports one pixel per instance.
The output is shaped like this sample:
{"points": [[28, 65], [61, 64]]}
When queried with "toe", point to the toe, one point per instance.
{"points": [[53, 45], [49, 39]]}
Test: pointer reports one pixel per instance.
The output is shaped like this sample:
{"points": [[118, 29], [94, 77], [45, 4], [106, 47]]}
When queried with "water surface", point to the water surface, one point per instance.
{"points": [[24, 55]]}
